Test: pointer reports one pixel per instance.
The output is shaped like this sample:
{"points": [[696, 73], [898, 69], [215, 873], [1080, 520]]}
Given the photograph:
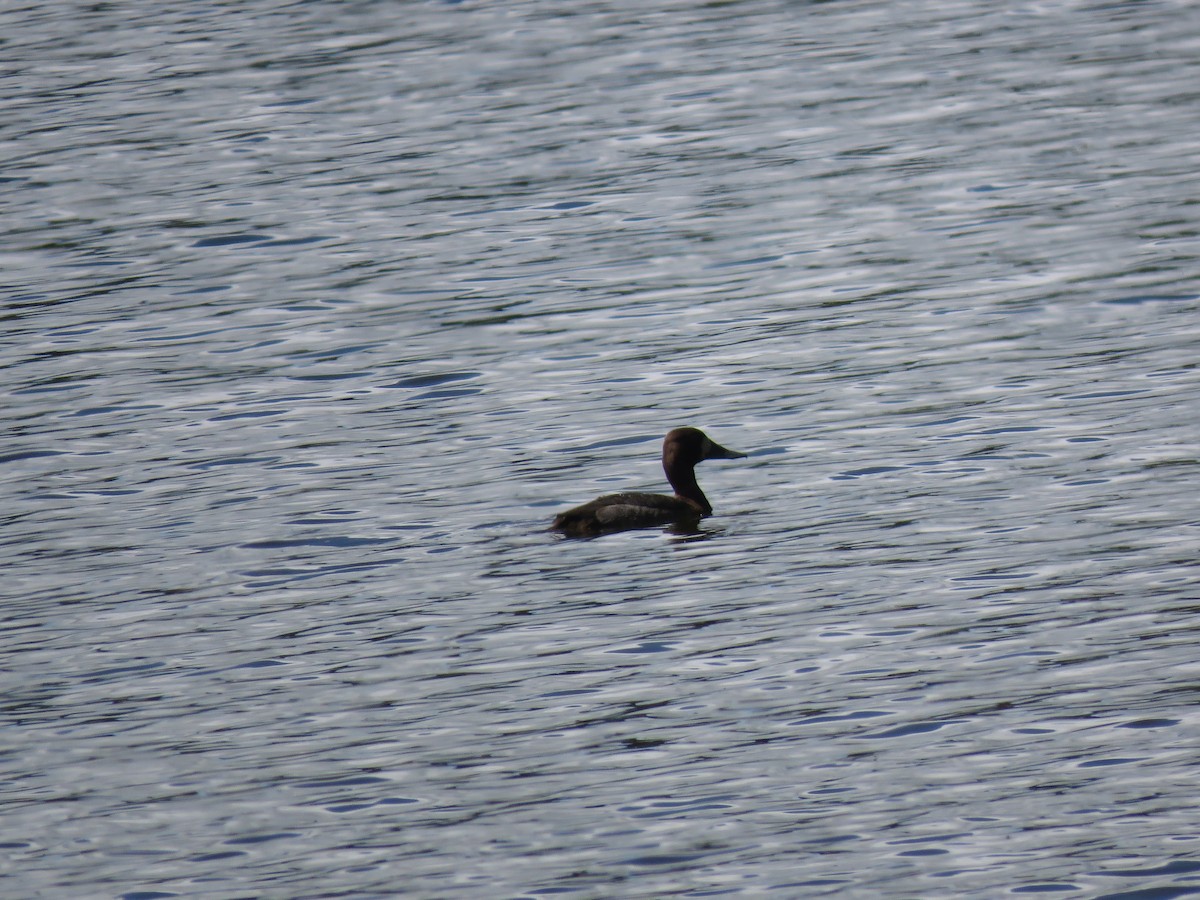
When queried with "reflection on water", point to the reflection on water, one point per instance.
{"points": [[316, 314]]}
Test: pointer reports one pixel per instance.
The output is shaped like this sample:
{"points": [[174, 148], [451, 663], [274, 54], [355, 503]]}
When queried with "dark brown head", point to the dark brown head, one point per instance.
{"points": [[682, 449], [691, 445]]}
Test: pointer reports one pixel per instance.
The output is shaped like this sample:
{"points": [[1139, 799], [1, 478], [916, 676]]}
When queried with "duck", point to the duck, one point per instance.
{"points": [[682, 449]]}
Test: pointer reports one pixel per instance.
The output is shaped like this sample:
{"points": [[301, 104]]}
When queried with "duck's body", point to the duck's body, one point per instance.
{"points": [[614, 512], [683, 448]]}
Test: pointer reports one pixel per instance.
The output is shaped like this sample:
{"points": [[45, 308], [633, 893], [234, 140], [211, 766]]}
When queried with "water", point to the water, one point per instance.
{"points": [[316, 313]]}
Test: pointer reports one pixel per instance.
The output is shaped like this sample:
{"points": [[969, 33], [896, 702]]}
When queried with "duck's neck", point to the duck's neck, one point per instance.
{"points": [[683, 480]]}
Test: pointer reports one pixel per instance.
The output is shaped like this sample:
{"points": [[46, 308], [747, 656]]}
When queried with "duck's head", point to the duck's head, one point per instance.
{"points": [[688, 446]]}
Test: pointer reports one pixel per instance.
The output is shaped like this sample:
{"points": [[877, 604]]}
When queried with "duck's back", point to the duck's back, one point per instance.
{"points": [[627, 510]]}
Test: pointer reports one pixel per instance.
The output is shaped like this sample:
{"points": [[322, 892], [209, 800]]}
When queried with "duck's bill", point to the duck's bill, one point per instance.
{"points": [[716, 451]]}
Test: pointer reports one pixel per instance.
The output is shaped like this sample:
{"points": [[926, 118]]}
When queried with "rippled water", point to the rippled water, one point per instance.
{"points": [[316, 313]]}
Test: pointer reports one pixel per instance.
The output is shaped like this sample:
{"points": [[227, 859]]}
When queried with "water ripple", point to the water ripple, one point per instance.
{"points": [[315, 314]]}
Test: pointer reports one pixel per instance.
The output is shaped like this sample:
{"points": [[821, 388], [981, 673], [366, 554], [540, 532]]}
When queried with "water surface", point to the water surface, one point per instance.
{"points": [[314, 314]]}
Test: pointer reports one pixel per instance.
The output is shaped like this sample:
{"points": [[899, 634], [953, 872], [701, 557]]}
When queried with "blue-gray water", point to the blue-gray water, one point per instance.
{"points": [[315, 313]]}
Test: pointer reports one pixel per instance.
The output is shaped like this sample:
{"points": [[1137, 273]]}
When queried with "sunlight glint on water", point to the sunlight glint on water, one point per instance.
{"points": [[316, 314]]}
